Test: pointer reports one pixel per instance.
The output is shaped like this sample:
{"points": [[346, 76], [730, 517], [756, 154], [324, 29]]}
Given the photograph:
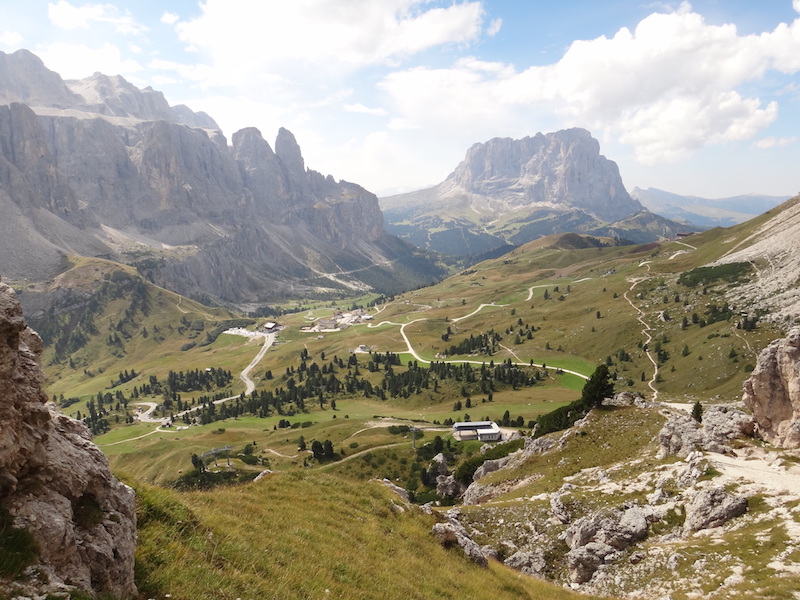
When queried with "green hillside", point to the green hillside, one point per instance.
{"points": [[306, 535], [508, 340]]}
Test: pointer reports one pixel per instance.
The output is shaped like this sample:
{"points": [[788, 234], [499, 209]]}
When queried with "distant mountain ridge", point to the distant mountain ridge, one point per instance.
{"points": [[509, 191], [99, 167], [707, 212]]}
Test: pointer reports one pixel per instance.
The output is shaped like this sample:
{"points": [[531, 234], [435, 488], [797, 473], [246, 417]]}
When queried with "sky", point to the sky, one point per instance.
{"points": [[696, 98]]}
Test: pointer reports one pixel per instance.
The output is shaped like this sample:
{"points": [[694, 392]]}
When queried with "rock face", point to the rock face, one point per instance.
{"points": [[596, 539], [682, 435], [712, 507], [99, 167], [552, 183], [773, 391], [562, 168], [772, 252], [54, 482]]}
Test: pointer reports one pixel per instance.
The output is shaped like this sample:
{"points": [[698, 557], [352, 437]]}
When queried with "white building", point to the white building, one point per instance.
{"points": [[484, 431]]}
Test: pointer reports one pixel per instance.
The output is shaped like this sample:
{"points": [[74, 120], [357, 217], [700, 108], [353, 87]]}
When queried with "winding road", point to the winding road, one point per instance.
{"points": [[249, 384]]}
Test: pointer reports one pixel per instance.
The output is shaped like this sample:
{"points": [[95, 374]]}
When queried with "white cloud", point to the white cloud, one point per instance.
{"points": [[360, 108], [11, 39], [773, 142], [667, 88], [323, 35], [76, 61], [66, 16], [494, 27], [169, 18]]}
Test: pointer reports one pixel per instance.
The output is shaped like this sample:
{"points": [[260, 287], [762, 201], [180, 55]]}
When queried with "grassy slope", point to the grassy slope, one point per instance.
{"points": [[567, 333], [297, 560], [306, 535]]}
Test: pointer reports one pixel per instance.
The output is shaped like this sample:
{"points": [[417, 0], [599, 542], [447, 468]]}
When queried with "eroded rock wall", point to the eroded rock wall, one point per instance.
{"points": [[772, 392], [54, 481]]}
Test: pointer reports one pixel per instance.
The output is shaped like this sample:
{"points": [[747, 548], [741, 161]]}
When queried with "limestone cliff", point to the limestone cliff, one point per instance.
{"points": [[100, 167], [773, 391], [509, 191], [54, 481]]}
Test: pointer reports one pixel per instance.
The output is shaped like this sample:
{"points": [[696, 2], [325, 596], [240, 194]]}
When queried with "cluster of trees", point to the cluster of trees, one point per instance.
{"points": [[124, 377], [311, 383], [323, 451], [484, 343], [599, 386], [70, 323], [181, 382]]}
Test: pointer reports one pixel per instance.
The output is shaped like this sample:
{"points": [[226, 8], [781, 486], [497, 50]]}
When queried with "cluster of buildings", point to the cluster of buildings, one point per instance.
{"points": [[339, 321]]}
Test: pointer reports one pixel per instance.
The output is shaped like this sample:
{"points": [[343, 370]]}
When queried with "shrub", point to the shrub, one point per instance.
{"points": [[17, 547]]}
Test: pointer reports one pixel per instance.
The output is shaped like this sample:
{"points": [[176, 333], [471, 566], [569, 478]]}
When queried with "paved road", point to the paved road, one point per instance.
{"points": [[145, 416]]}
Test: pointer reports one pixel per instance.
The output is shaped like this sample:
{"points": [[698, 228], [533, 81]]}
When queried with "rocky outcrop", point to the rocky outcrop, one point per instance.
{"points": [[772, 392], [597, 539], [531, 563], [712, 507], [451, 534], [448, 486], [54, 481], [682, 435]]}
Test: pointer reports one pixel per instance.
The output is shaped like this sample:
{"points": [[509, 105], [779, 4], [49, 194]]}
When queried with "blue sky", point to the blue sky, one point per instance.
{"points": [[695, 98]]}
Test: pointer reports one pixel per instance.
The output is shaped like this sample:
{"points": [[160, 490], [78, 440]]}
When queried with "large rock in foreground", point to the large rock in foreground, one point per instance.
{"points": [[773, 391], [54, 481]]}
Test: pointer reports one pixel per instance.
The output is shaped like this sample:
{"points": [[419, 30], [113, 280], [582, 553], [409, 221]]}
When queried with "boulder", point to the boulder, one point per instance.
{"points": [[712, 507], [681, 434], [721, 424], [772, 392], [477, 493], [453, 534], [439, 465], [447, 485], [598, 539], [490, 466], [559, 510], [530, 563]]}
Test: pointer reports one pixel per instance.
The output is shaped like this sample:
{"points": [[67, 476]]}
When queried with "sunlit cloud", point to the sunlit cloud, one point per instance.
{"points": [[76, 61], [66, 16], [365, 110], [773, 142], [11, 39]]}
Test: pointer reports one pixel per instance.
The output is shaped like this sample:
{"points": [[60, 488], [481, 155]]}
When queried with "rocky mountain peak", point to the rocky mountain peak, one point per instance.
{"points": [[55, 483], [111, 168], [288, 150], [24, 78], [115, 96], [561, 168]]}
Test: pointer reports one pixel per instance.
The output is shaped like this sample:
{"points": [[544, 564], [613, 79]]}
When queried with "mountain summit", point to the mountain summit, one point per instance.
{"points": [[99, 167], [561, 169], [508, 191]]}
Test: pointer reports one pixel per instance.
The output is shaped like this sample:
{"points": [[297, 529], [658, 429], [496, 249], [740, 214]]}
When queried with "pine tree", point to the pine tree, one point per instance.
{"points": [[697, 412], [599, 387]]}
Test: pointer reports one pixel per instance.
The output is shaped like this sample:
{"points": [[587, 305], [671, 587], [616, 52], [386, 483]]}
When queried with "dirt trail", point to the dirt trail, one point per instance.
{"points": [[761, 467], [646, 332]]}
